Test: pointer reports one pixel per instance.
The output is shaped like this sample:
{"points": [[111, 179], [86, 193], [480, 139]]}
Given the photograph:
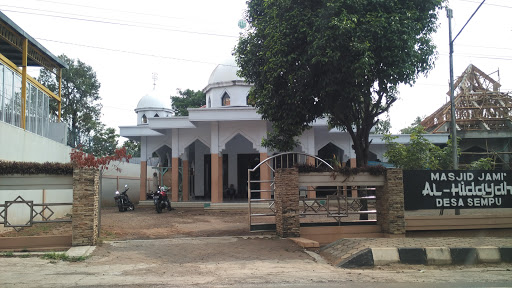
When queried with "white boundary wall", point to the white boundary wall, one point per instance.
{"points": [[17, 144], [39, 189], [112, 180]]}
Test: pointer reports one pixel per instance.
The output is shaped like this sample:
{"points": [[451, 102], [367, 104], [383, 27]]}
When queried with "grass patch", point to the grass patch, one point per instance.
{"points": [[106, 236], [8, 254], [62, 257]]}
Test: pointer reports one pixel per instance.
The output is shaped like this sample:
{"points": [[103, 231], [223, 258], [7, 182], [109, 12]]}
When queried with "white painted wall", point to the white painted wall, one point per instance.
{"points": [[19, 213], [17, 144], [237, 95], [129, 175]]}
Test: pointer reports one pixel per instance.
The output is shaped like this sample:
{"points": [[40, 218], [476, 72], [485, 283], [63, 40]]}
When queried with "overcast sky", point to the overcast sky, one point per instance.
{"points": [[127, 41]]}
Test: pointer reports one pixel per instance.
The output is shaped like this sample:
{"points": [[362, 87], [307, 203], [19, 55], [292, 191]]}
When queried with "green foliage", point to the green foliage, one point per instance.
{"points": [[340, 59], [103, 142], [482, 164], [187, 99], [419, 153], [383, 126], [32, 168], [132, 148], [81, 109], [414, 125], [8, 254], [62, 257]]}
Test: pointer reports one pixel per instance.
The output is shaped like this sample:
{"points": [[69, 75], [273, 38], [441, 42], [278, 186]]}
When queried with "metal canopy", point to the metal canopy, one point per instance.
{"points": [[11, 46]]}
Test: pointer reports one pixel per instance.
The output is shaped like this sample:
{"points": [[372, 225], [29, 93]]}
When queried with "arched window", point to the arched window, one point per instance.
{"points": [[144, 119], [225, 99], [156, 115], [209, 102]]}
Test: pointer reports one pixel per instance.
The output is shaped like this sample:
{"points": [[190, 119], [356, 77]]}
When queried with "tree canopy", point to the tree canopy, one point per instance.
{"points": [[383, 126], [81, 107], [415, 124], [80, 97], [187, 99], [339, 59], [419, 154], [132, 148]]}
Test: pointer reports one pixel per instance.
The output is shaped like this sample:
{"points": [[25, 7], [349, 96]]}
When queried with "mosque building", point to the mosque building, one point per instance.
{"points": [[215, 145]]}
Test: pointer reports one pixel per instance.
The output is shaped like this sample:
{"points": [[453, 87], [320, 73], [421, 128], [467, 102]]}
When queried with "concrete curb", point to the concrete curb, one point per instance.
{"points": [[428, 256], [80, 251]]}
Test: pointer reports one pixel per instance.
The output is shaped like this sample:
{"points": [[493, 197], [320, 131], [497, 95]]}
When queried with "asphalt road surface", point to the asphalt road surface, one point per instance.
{"points": [[230, 262]]}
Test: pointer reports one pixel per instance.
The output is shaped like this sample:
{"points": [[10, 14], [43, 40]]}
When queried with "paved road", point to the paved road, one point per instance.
{"points": [[230, 262]]}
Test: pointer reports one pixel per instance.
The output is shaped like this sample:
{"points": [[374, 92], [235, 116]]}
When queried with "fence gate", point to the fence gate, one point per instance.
{"points": [[263, 209]]}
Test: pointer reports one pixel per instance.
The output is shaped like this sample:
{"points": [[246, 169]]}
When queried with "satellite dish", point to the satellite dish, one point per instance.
{"points": [[242, 24]]}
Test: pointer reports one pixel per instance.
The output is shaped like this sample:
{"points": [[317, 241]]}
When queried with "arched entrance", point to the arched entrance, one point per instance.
{"points": [[237, 156], [264, 207]]}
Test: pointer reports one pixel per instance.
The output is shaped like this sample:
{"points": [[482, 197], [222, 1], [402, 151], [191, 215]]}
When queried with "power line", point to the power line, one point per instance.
{"points": [[487, 47], [487, 4], [97, 8], [132, 52], [122, 24], [81, 15], [480, 56]]}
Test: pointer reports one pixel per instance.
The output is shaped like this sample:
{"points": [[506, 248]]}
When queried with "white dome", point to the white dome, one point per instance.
{"points": [[152, 100], [225, 72]]}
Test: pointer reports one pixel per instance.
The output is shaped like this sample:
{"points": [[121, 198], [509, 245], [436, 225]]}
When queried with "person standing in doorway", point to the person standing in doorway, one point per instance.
{"points": [[155, 182]]}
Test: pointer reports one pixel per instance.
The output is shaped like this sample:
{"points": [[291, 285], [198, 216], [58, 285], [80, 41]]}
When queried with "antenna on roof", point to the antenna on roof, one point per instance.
{"points": [[155, 77]]}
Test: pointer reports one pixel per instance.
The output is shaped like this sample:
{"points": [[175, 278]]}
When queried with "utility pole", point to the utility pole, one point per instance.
{"points": [[449, 14]]}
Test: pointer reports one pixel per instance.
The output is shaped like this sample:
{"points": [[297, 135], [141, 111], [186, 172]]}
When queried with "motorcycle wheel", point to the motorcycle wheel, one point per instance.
{"points": [[132, 207], [169, 206], [158, 207], [121, 208]]}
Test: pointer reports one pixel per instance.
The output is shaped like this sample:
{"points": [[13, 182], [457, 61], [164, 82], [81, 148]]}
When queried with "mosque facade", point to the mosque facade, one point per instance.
{"points": [[212, 149]]}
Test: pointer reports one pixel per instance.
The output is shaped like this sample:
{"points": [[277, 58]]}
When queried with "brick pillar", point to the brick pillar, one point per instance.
{"points": [[174, 179], [390, 203], [184, 180], [216, 161], [265, 176], [143, 180], [86, 184], [286, 196]]}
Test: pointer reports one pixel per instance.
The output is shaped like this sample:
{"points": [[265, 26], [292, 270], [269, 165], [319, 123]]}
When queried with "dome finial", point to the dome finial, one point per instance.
{"points": [[155, 77]]}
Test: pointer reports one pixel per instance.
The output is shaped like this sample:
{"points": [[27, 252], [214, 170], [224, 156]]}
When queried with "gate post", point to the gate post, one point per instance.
{"points": [[286, 199], [86, 182], [390, 203]]}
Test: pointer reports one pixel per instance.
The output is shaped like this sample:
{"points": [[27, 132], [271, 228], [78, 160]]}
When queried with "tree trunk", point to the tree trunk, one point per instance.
{"points": [[362, 146]]}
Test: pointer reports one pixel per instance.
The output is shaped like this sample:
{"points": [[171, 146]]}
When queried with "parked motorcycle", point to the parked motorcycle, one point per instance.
{"points": [[122, 200], [161, 200]]}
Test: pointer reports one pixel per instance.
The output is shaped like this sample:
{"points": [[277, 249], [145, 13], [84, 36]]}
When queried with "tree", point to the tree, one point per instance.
{"points": [[81, 159], [132, 148], [383, 126], [103, 141], [483, 164], [413, 126], [81, 109], [419, 154], [187, 99], [339, 59]]}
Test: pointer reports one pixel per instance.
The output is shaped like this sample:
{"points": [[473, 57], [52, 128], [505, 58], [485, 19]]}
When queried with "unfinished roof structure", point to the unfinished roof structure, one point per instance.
{"points": [[483, 115], [479, 105]]}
